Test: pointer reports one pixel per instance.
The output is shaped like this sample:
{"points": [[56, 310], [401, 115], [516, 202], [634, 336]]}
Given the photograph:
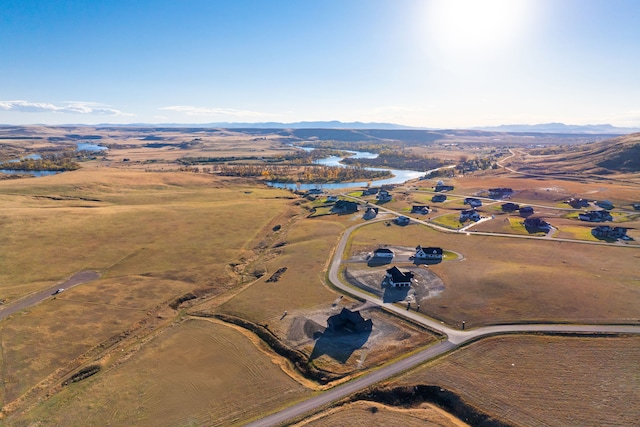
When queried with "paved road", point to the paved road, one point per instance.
{"points": [[353, 386], [455, 338], [38, 297]]}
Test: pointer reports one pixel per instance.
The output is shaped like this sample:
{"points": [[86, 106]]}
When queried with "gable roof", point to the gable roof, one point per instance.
{"points": [[399, 276]]}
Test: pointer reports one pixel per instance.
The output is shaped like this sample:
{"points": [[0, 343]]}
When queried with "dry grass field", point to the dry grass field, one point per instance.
{"points": [[195, 373], [506, 280], [550, 381], [152, 236], [305, 255], [368, 414]]}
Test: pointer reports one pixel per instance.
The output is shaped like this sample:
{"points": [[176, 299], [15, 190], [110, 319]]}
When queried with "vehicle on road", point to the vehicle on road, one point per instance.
{"points": [[58, 291]]}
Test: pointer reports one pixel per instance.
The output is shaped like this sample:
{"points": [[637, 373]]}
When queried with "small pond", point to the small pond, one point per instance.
{"points": [[86, 146]]}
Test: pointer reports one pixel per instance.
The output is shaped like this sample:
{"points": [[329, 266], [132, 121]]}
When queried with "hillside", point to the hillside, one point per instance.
{"points": [[619, 155]]}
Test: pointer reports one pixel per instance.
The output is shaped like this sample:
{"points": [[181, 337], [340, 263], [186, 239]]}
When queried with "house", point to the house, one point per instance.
{"points": [[439, 198], [536, 224], [605, 204], [636, 206], [331, 199], [469, 214], [419, 209], [344, 206], [314, 191], [370, 213], [473, 202], [500, 193], [595, 216], [510, 207], [578, 203], [383, 196], [607, 232], [428, 253], [402, 220], [370, 191], [350, 321], [397, 278], [383, 253], [525, 211], [441, 187]]}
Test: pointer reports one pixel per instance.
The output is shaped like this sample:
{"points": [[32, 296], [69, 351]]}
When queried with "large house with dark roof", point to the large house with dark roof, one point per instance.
{"points": [[398, 279], [350, 321]]}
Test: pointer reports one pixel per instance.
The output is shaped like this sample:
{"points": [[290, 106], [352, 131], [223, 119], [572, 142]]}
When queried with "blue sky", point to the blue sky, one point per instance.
{"points": [[430, 63]]}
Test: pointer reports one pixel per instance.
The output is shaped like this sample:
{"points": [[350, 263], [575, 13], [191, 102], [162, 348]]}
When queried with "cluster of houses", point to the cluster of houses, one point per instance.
{"points": [[396, 278], [531, 224]]}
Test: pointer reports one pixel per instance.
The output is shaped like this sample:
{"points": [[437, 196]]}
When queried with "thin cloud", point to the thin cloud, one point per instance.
{"points": [[70, 107], [206, 111]]}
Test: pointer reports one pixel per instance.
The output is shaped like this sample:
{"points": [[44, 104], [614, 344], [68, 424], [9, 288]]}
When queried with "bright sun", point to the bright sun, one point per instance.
{"points": [[475, 26]]}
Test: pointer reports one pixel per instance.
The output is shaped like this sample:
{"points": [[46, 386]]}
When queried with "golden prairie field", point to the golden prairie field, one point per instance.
{"points": [[543, 380]]}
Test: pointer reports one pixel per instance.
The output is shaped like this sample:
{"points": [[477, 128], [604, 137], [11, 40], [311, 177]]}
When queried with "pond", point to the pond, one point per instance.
{"points": [[86, 146], [25, 172]]}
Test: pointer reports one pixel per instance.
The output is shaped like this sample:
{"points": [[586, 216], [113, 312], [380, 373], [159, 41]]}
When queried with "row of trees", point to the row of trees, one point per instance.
{"points": [[292, 173], [62, 161], [398, 160]]}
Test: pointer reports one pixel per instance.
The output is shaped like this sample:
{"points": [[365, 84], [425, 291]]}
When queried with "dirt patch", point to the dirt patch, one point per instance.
{"points": [[426, 284], [343, 351]]}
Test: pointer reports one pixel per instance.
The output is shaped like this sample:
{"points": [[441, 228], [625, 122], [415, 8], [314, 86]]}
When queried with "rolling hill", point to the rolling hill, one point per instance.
{"points": [[620, 155]]}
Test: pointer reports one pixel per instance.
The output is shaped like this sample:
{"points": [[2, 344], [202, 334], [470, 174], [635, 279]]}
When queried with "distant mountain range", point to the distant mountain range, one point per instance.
{"points": [[334, 124], [560, 128], [557, 128]]}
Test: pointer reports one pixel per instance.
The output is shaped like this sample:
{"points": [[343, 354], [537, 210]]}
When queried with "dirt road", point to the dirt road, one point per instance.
{"points": [[38, 297]]}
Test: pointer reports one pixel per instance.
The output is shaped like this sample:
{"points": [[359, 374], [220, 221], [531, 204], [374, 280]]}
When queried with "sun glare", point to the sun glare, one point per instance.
{"points": [[475, 26]]}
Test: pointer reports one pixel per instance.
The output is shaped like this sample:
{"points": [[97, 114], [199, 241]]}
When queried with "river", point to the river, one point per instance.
{"points": [[81, 146], [399, 175]]}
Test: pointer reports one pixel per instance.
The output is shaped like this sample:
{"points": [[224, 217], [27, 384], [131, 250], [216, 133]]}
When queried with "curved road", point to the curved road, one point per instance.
{"points": [[38, 297], [455, 338]]}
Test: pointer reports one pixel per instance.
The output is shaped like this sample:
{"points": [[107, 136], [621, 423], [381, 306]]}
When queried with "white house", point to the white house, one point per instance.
{"points": [[428, 253], [383, 253]]}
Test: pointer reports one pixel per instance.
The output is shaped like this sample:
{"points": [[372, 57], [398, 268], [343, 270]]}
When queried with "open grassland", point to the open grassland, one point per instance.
{"points": [[367, 414], [56, 333], [196, 373], [306, 255], [543, 380], [152, 236], [505, 280], [134, 223]]}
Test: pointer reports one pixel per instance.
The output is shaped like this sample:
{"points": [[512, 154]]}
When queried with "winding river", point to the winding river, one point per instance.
{"points": [[399, 175]]}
